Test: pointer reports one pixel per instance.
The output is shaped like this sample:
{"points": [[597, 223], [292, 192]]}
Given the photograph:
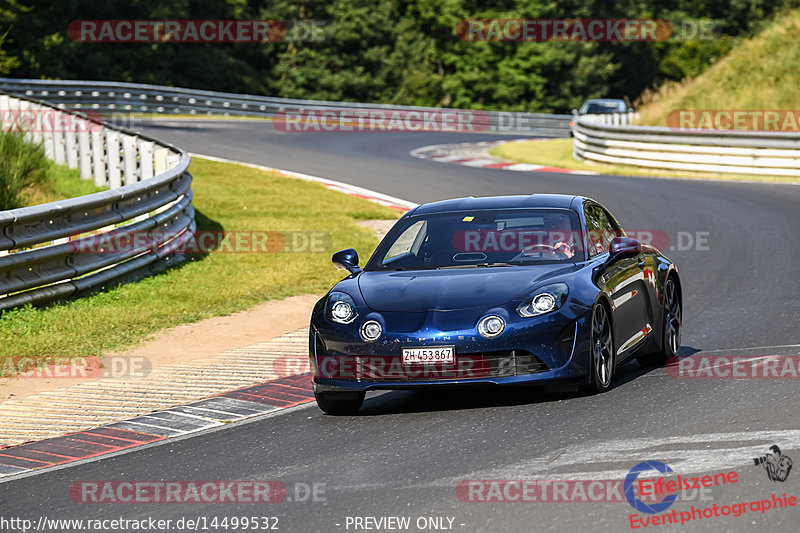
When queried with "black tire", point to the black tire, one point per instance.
{"points": [[671, 334], [340, 403], [601, 352]]}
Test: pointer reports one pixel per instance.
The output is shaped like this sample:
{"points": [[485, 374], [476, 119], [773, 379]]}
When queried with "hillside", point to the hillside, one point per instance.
{"points": [[760, 73]]}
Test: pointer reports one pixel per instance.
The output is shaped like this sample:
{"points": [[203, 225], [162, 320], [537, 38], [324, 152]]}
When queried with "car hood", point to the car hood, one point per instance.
{"points": [[452, 289]]}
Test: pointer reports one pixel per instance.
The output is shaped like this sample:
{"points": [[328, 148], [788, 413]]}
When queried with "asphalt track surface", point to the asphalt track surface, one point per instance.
{"points": [[406, 452]]}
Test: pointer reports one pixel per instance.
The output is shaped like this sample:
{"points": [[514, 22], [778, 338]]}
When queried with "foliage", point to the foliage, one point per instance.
{"points": [[22, 167], [389, 51]]}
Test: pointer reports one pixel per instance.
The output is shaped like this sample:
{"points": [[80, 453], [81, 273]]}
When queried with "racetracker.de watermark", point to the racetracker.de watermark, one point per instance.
{"points": [[203, 242], [727, 367], [570, 491], [195, 31], [734, 119], [393, 367], [521, 240], [583, 30], [210, 492], [50, 367], [58, 121], [378, 120]]}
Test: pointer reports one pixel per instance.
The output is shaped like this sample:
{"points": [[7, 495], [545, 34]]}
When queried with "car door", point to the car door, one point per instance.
{"points": [[624, 280]]}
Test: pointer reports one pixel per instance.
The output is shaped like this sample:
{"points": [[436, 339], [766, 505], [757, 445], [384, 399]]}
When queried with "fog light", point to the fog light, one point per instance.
{"points": [[491, 326], [371, 330]]}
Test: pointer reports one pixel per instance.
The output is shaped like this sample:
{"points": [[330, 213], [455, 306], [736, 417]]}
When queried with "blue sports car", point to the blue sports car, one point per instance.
{"points": [[499, 290]]}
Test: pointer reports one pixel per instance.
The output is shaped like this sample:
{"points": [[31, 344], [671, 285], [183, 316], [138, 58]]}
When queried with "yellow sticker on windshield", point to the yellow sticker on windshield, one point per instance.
{"points": [[467, 219]]}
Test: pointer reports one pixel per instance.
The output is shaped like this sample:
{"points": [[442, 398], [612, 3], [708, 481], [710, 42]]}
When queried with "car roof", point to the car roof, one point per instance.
{"points": [[604, 100], [559, 201]]}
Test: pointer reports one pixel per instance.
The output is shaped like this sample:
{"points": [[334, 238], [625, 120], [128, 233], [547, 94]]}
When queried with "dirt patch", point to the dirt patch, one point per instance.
{"points": [[199, 340], [379, 227]]}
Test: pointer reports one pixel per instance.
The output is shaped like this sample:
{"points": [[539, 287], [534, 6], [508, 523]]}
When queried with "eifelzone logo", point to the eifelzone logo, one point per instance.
{"points": [[630, 483], [775, 463]]}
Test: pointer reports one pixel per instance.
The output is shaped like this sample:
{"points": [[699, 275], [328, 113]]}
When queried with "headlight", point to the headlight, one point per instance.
{"points": [[543, 300], [371, 330], [341, 308], [491, 326]]}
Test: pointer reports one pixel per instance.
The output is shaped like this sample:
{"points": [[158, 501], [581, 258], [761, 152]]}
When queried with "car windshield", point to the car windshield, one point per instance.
{"points": [[477, 239], [599, 108]]}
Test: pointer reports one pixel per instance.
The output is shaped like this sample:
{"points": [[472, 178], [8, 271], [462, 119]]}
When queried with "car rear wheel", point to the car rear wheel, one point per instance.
{"points": [[671, 337], [601, 351], [340, 403]]}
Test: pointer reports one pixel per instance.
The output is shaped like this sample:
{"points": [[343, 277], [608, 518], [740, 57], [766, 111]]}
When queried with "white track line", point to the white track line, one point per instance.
{"points": [[612, 459]]}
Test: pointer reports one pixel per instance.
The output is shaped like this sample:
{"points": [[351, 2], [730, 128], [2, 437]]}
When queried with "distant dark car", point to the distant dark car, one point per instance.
{"points": [[498, 290], [599, 106]]}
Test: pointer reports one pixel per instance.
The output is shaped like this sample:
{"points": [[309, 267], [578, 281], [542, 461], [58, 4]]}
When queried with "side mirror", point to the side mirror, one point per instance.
{"points": [[346, 260], [623, 246], [574, 111]]}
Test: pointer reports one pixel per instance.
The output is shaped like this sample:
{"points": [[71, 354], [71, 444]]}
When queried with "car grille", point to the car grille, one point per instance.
{"points": [[467, 366]]}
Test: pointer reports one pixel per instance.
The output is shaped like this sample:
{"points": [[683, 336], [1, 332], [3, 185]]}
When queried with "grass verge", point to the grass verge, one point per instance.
{"points": [[758, 74], [558, 153], [27, 177], [226, 196]]}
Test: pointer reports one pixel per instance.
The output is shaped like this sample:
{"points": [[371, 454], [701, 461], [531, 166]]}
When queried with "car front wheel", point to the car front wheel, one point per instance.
{"points": [[601, 351]]}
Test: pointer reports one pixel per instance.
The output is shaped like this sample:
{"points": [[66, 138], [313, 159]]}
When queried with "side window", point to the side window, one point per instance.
{"points": [[608, 228], [406, 241], [600, 230], [595, 245]]}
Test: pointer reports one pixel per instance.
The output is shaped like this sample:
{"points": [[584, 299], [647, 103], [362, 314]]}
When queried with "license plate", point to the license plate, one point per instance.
{"points": [[439, 354]]}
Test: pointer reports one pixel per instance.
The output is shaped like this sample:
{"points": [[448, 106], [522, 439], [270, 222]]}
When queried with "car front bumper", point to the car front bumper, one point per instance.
{"points": [[552, 347]]}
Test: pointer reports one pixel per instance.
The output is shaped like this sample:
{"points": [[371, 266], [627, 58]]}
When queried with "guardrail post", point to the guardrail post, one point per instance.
{"points": [[13, 105], [59, 154], [173, 160], [23, 121], [146, 159], [13, 113], [112, 159], [70, 144], [85, 151], [5, 114], [129, 159], [37, 134], [48, 140], [160, 160], [99, 158]]}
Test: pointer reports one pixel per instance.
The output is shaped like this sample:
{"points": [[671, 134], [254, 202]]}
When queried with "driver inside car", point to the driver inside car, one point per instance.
{"points": [[559, 233]]}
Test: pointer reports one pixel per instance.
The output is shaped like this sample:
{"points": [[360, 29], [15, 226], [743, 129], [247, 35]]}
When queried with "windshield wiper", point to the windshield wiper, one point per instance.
{"points": [[476, 265], [486, 265]]}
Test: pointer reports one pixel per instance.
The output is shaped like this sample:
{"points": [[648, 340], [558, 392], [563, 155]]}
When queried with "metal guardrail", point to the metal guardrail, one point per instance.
{"points": [[614, 119], [110, 97], [739, 152], [55, 250]]}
